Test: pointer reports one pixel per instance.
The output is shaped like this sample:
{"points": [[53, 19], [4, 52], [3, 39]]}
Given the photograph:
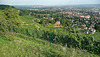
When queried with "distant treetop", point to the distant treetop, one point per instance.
{"points": [[5, 6]]}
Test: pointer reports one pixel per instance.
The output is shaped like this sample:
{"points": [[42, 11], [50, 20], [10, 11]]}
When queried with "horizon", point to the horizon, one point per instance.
{"points": [[49, 2], [58, 5]]}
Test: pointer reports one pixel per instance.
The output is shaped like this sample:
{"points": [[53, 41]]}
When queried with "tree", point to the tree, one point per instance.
{"points": [[12, 16], [3, 22], [8, 17], [97, 27]]}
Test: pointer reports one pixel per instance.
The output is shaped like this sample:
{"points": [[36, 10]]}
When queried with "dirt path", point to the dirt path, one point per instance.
{"points": [[58, 26]]}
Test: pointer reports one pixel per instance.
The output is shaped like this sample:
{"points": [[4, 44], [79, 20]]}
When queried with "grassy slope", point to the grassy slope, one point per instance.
{"points": [[22, 47], [26, 19], [97, 36], [37, 47]]}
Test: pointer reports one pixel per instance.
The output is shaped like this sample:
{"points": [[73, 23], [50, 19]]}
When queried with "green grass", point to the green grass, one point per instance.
{"points": [[22, 47], [97, 36], [27, 19]]}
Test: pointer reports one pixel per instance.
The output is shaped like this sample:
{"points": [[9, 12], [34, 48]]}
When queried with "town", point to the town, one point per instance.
{"points": [[49, 31], [80, 18]]}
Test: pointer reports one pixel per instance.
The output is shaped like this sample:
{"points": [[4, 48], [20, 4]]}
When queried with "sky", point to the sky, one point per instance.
{"points": [[48, 2]]}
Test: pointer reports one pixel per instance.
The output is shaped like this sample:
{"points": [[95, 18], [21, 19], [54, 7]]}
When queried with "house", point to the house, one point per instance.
{"points": [[18, 10], [92, 31], [98, 21], [39, 20], [43, 17], [88, 16], [69, 12], [46, 18], [90, 27], [86, 21], [73, 14], [71, 20], [50, 18], [96, 12], [87, 32], [83, 25], [82, 16], [57, 23]]}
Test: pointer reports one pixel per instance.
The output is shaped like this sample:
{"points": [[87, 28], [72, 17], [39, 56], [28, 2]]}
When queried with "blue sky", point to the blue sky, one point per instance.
{"points": [[48, 2]]}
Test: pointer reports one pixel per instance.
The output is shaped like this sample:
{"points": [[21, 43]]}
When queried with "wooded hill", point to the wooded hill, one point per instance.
{"points": [[5, 6]]}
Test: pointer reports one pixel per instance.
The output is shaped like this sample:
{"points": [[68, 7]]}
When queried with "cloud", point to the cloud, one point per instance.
{"points": [[1, 1]]}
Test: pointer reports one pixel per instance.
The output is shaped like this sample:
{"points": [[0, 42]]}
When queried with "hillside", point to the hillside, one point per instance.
{"points": [[24, 36], [20, 44], [37, 48]]}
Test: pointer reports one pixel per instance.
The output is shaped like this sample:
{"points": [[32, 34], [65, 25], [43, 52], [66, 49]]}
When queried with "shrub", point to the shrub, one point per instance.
{"points": [[9, 36]]}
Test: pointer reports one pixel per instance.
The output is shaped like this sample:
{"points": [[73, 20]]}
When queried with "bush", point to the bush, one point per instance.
{"points": [[9, 36]]}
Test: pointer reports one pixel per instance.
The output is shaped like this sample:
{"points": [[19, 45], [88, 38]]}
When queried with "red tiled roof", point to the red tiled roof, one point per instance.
{"points": [[57, 23], [83, 25]]}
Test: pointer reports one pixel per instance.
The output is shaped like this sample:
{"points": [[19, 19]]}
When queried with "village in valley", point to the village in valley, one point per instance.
{"points": [[86, 19], [49, 28]]}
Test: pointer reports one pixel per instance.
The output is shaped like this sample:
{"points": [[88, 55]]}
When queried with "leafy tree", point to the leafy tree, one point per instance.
{"points": [[2, 7], [3, 22], [97, 27], [12, 16], [8, 19]]}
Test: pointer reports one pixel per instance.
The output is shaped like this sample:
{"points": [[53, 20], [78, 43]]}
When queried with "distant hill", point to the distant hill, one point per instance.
{"points": [[83, 5], [5, 6], [56, 5], [27, 5]]}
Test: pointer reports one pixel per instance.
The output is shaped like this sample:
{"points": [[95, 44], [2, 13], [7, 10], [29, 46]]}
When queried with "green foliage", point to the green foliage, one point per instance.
{"points": [[37, 48], [9, 36], [12, 16], [97, 27], [24, 12], [9, 20], [97, 36], [26, 19], [8, 17], [3, 22], [74, 40], [2, 7]]}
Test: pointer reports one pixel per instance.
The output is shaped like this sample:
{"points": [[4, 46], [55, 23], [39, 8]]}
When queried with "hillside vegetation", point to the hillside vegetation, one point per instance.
{"points": [[22, 47], [5, 6], [22, 37]]}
